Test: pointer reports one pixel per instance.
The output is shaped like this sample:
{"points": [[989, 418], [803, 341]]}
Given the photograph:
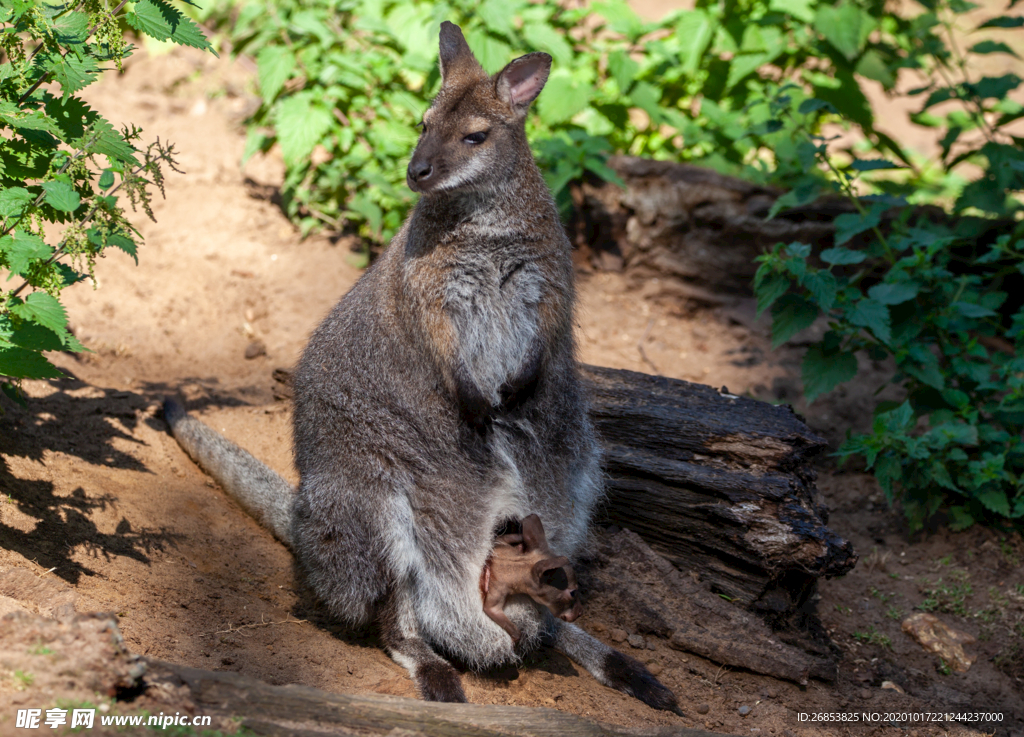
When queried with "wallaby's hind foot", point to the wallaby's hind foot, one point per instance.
{"points": [[610, 667], [435, 678]]}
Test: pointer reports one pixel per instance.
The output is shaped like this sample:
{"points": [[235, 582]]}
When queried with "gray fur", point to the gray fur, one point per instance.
{"points": [[262, 493], [441, 397]]}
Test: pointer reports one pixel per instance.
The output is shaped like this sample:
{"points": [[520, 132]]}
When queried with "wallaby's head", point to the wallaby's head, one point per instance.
{"points": [[552, 579], [473, 136]]}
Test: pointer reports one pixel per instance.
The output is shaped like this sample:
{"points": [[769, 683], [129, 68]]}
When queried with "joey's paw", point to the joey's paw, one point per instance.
{"points": [[630, 676], [440, 682]]}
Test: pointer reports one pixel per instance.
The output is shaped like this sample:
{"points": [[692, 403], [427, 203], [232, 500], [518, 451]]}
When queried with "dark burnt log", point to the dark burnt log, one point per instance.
{"points": [[631, 585], [692, 226], [718, 484]]}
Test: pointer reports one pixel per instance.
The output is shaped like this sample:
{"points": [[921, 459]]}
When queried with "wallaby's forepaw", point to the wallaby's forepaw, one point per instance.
{"points": [[630, 676], [438, 681]]}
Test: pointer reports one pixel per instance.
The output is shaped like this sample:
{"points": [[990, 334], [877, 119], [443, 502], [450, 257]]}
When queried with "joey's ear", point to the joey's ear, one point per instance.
{"points": [[521, 81], [533, 533], [457, 60], [551, 572]]}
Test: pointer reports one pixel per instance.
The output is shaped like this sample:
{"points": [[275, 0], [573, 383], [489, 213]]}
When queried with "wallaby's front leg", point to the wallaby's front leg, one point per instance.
{"points": [[435, 678], [609, 666], [494, 608]]}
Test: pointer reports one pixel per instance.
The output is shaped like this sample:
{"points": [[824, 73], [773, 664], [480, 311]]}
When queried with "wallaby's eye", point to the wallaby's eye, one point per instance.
{"points": [[478, 137]]}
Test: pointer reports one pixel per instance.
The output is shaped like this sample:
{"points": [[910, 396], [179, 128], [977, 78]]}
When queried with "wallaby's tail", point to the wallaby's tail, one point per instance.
{"points": [[261, 492]]}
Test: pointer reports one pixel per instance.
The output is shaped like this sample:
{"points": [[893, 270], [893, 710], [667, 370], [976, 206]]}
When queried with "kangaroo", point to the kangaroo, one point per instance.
{"points": [[524, 564], [440, 401]]}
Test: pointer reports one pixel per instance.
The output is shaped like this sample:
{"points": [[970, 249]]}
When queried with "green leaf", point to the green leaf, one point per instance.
{"points": [[71, 28], [873, 165], [1004, 21], [21, 363], [41, 308], [845, 26], [163, 21], [993, 47], [997, 87], [275, 65], [867, 313], [842, 256], [959, 518], [71, 71], [31, 120], [994, 499], [60, 195], [621, 18], [106, 179], [13, 201], [773, 287], [969, 309], [791, 313], [300, 127], [800, 9], [694, 30], [893, 294], [852, 224], [822, 284], [872, 66], [647, 97], [495, 15], [623, 69], [20, 249], [561, 98], [813, 105], [35, 337], [823, 371]]}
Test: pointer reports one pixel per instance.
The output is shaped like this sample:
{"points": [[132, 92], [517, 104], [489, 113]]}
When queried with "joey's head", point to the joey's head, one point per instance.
{"points": [[552, 579], [473, 136]]}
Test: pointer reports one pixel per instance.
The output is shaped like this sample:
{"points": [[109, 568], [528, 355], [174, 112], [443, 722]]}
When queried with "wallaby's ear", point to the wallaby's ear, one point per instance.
{"points": [[521, 81], [551, 572], [533, 533], [457, 60]]}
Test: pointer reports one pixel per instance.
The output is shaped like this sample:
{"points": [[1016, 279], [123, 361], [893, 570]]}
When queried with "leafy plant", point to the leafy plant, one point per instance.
{"points": [[344, 81], [63, 166], [925, 293]]}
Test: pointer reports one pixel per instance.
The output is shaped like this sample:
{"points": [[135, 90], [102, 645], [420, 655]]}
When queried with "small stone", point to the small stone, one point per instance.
{"points": [[788, 733], [744, 710], [255, 349], [549, 702], [636, 641], [865, 694], [654, 669], [890, 686], [772, 693], [597, 627], [703, 709], [651, 645], [618, 635]]}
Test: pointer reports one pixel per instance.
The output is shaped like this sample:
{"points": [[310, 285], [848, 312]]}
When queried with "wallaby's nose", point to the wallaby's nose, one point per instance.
{"points": [[420, 170]]}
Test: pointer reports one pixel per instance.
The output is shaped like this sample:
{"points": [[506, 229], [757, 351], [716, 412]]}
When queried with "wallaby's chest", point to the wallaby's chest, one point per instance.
{"points": [[493, 300]]}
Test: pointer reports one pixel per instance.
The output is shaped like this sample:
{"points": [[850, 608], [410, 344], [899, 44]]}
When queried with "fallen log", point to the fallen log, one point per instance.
{"points": [[718, 484], [695, 228], [642, 593], [299, 710]]}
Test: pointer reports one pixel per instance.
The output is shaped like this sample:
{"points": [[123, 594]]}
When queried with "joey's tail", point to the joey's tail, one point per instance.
{"points": [[261, 492]]}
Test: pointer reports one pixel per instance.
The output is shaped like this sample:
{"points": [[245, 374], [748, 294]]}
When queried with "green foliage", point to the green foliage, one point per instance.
{"points": [[343, 82], [924, 293], [63, 164]]}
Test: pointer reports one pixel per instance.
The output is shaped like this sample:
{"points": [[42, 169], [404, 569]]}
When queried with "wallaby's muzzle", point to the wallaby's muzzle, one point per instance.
{"points": [[419, 173]]}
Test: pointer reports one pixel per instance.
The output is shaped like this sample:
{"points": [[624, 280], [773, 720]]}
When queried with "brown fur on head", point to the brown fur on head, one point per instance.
{"points": [[473, 135], [524, 564]]}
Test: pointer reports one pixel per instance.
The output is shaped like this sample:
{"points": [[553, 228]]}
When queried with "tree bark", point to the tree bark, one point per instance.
{"points": [[299, 710], [719, 484]]}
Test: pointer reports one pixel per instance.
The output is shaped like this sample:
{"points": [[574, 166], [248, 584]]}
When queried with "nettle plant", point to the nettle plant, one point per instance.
{"points": [[939, 296], [344, 82], [64, 169]]}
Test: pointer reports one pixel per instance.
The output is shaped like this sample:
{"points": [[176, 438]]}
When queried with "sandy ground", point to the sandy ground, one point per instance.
{"points": [[95, 492]]}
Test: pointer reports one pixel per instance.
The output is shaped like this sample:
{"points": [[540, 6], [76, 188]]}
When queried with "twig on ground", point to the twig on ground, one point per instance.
{"points": [[254, 625], [640, 347]]}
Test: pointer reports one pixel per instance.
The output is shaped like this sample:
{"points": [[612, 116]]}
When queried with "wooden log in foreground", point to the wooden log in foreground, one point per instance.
{"points": [[299, 710], [720, 485]]}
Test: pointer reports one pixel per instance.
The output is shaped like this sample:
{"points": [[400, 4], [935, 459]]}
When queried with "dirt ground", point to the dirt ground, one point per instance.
{"points": [[97, 495]]}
